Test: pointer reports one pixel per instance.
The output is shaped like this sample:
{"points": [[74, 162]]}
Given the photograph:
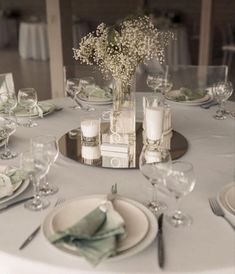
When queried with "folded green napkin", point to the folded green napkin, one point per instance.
{"points": [[95, 236], [39, 109], [16, 176], [187, 94], [94, 92], [10, 181]]}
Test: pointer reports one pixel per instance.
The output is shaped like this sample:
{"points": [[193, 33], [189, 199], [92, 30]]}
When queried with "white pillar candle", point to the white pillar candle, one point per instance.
{"points": [[91, 153], [154, 123], [90, 128]]}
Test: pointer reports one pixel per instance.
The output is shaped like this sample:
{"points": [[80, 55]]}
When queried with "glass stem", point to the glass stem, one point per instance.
{"points": [[154, 192], [30, 115], [177, 213], [45, 182], [36, 182], [6, 149]]}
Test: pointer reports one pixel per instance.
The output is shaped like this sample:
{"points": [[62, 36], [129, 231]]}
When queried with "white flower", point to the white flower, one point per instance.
{"points": [[119, 49]]}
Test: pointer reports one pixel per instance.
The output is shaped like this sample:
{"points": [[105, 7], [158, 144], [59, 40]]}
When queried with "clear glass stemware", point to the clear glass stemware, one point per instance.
{"points": [[221, 92], [36, 166], [27, 98], [8, 102], [76, 85], [8, 126], [155, 164], [48, 145], [180, 182]]}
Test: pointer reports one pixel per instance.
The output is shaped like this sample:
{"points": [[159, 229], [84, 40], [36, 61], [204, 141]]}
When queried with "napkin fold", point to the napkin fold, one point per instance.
{"points": [[95, 236], [9, 181], [94, 92], [40, 109]]}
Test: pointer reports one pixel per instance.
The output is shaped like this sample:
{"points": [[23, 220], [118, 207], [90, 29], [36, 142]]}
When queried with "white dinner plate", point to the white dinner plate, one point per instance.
{"points": [[226, 197], [51, 108], [141, 225], [96, 102], [19, 187], [196, 102], [230, 197]]}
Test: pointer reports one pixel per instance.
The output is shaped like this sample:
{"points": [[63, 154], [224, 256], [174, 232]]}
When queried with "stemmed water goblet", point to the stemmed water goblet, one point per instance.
{"points": [[8, 126], [27, 98], [164, 85], [221, 92], [49, 146], [8, 102], [36, 165], [180, 181], [74, 86], [161, 82], [155, 164]]}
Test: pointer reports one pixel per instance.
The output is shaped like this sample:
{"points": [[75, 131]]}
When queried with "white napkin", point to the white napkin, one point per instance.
{"points": [[6, 187]]}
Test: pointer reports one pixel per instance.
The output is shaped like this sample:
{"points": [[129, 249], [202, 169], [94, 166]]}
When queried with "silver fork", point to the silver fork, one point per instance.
{"points": [[105, 205], [218, 211], [29, 239]]}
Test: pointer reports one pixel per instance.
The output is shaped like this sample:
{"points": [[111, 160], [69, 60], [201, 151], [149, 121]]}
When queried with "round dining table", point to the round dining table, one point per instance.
{"points": [[207, 246]]}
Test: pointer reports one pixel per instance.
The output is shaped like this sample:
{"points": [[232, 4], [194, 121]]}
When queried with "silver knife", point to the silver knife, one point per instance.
{"points": [[15, 203], [30, 238], [160, 243]]}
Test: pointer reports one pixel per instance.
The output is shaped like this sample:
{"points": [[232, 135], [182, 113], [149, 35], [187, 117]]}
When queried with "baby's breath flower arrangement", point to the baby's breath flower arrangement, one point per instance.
{"points": [[119, 49]]}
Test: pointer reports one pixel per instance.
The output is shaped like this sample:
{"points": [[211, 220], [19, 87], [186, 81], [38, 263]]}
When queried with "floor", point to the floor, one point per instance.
{"points": [[27, 73], [32, 73]]}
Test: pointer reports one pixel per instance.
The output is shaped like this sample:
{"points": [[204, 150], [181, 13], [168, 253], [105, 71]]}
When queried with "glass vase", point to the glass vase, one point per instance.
{"points": [[122, 118]]}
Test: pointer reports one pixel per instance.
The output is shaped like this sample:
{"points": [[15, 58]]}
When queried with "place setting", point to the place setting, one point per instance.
{"points": [[223, 205], [120, 228]]}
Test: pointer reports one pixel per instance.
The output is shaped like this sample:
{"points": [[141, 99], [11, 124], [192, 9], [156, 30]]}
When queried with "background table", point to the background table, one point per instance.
{"points": [[33, 42], [205, 247]]}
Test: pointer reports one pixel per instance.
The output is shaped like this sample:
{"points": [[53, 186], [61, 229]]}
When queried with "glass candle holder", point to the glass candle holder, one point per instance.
{"points": [[90, 131]]}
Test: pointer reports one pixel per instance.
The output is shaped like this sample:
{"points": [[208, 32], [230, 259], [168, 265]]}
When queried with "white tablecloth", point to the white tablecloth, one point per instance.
{"points": [[205, 247], [178, 50], [33, 42], [8, 32]]}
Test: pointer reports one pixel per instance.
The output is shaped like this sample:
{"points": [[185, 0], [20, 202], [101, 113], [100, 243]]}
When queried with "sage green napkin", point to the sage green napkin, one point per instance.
{"points": [[39, 110], [95, 236], [94, 92], [187, 94], [10, 181]]}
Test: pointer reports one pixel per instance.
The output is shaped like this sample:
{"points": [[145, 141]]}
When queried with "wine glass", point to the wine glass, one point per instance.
{"points": [[8, 102], [27, 98], [152, 82], [76, 85], [180, 182], [8, 126], [48, 145], [221, 92], [164, 85], [36, 165], [155, 164]]}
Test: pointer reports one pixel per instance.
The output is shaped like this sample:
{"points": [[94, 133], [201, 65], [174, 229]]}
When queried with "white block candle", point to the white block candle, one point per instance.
{"points": [[90, 128], [154, 123]]}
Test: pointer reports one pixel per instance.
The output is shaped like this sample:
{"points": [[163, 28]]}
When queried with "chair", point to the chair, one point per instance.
{"points": [[6, 83], [196, 77]]}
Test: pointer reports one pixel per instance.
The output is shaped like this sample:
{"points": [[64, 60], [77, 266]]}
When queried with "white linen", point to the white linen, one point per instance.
{"points": [[33, 42], [205, 247]]}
